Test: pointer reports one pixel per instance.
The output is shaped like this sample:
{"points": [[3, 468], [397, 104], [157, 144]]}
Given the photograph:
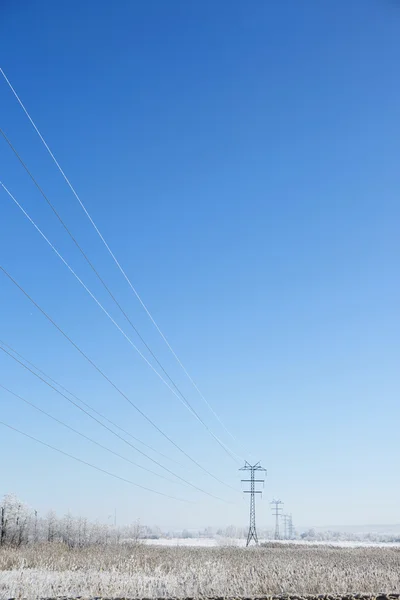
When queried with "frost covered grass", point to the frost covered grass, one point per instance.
{"points": [[50, 570]]}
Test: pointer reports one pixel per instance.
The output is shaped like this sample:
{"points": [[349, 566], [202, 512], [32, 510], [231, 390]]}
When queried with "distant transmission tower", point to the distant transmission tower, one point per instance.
{"points": [[290, 526], [286, 519], [252, 535], [277, 508]]}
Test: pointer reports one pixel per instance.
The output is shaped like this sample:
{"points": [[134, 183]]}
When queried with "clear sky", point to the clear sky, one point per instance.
{"points": [[242, 161]]}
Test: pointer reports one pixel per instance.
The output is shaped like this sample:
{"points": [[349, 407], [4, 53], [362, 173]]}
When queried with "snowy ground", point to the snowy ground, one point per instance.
{"points": [[162, 571], [215, 542]]}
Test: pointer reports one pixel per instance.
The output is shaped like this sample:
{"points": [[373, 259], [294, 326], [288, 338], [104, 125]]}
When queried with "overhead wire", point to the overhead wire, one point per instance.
{"points": [[185, 481], [101, 372], [83, 435], [106, 287], [180, 397], [84, 462], [96, 412], [116, 260]]}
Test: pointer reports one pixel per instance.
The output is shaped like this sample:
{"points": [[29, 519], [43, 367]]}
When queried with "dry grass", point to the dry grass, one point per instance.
{"points": [[145, 571]]}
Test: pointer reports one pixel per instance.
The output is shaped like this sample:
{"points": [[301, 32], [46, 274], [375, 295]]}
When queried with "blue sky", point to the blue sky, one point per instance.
{"points": [[241, 159]]}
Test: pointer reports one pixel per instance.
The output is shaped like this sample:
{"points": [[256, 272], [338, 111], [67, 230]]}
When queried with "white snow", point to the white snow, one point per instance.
{"points": [[218, 542]]}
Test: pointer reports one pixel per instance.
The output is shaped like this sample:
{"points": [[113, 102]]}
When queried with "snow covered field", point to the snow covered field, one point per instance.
{"points": [[154, 571], [241, 543]]}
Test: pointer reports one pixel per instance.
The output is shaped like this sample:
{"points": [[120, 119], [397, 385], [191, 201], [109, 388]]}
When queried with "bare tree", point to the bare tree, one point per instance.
{"points": [[15, 520]]}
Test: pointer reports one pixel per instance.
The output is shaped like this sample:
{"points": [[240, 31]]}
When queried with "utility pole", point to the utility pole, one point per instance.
{"points": [[252, 535], [277, 508]]}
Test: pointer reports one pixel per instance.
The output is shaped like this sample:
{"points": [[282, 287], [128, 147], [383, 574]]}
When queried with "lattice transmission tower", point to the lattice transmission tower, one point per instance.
{"points": [[290, 526], [252, 535], [277, 507], [285, 526]]}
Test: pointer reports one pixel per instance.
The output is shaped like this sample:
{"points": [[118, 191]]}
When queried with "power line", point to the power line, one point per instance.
{"points": [[60, 422], [2, 343], [110, 430], [111, 382], [84, 462], [185, 402], [56, 213], [115, 259]]}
